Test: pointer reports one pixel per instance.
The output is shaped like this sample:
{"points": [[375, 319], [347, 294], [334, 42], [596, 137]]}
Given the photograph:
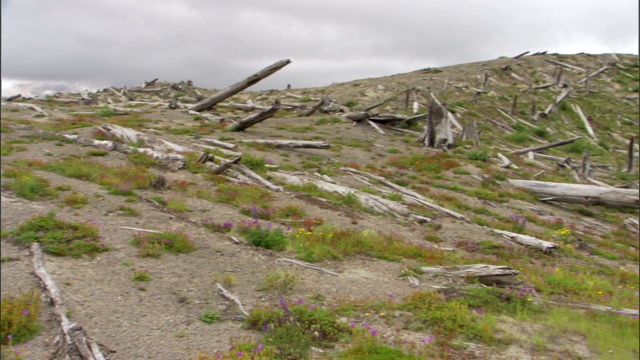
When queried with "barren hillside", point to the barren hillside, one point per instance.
{"points": [[407, 230]]}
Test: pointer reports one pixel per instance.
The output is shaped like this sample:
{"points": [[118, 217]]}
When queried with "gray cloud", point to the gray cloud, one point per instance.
{"points": [[216, 43]]}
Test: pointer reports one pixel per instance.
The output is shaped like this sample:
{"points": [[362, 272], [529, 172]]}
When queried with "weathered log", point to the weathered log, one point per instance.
{"points": [[521, 55], [257, 178], [486, 274], [149, 91], [255, 118], [557, 101], [546, 146], [586, 78], [587, 126], [565, 65], [222, 168], [409, 195], [241, 85], [76, 341], [148, 83], [357, 116], [580, 193], [375, 127], [611, 309], [514, 105], [224, 292], [291, 144], [219, 143], [12, 97], [371, 107], [527, 240], [630, 154], [31, 106], [116, 92], [316, 107], [244, 107]]}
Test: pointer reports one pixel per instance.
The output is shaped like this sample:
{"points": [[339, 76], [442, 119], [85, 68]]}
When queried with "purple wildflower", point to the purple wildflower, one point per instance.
{"points": [[312, 307], [258, 349], [25, 312], [374, 332], [240, 353], [283, 304]]}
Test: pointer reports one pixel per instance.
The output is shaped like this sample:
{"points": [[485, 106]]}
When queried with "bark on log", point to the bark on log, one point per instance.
{"points": [[580, 193], [76, 341], [546, 146], [236, 88], [291, 144], [255, 118]]}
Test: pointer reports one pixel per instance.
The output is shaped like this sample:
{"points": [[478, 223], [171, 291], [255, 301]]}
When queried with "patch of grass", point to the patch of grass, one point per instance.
{"points": [[331, 120], [128, 211], [29, 186], [243, 194], [257, 164], [178, 205], [61, 238], [105, 112], [297, 129], [141, 276], [366, 345], [424, 164], [19, 320], [97, 152], [264, 236], [350, 103], [142, 159], [280, 282], [217, 227], [154, 244], [294, 212], [518, 137], [76, 200], [209, 317]]}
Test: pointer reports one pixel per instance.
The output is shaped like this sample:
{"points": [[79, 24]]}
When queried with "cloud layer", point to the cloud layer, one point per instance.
{"points": [[217, 43]]}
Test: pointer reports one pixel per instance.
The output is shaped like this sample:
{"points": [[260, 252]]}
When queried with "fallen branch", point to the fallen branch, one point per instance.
{"points": [[290, 144], [305, 264], [566, 65], [142, 230], [587, 126], [225, 293], [546, 146], [557, 102], [76, 341], [255, 118], [252, 175]]}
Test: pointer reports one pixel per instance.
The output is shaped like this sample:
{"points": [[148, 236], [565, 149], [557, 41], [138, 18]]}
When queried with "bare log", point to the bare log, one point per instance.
{"points": [[316, 107], [557, 101], [587, 126], [255, 118], [224, 292], [374, 126], [546, 146], [222, 168], [630, 154], [586, 78], [527, 240], [236, 88], [521, 55], [621, 311], [12, 97], [291, 144], [371, 107], [565, 65], [219, 143], [357, 116], [149, 83], [76, 341], [580, 193], [252, 175], [486, 274]]}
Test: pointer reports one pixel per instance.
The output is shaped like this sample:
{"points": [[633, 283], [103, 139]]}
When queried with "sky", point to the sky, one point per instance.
{"points": [[216, 43]]}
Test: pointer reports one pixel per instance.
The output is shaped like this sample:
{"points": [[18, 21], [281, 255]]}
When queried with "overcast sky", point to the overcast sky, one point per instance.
{"points": [[216, 43]]}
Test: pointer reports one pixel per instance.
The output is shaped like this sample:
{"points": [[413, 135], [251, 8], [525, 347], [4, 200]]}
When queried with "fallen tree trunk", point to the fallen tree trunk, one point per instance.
{"points": [[566, 65], [546, 146], [236, 88], [527, 240], [225, 293], [222, 168], [580, 193], [255, 118], [76, 341], [290, 144], [486, 274], [316, 107], [587, 126], [557, 102]]}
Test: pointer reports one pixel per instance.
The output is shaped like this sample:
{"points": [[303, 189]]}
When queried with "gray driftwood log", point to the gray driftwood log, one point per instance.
{"points": [[290, 144], [239, 86], [546, 146], [486, 274], [580, 193], [255, 118]]}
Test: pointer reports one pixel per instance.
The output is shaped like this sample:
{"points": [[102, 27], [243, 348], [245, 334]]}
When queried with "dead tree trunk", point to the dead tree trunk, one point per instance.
{"points": [[521, 55], [255, 118], [587, 126], [438, 133], [316, 107], [630, 161], [222, 168], [514, 105], [236, 88], [580, 194], [469, 132], [546, 146], [559, 99], [486, 274]]}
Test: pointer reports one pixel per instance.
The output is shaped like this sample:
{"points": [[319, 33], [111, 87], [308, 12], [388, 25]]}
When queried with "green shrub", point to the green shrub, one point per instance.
{"points": [[209, 317], [142, 275], [61, 238], [76, 200], [280, 282], [264, 236], [19, 320], [154, 244], [29, 186]]}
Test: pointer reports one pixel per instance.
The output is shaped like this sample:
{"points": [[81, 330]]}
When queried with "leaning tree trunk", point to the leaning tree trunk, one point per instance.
{"points": [[236, 88], [581, 194], [255, 118]]}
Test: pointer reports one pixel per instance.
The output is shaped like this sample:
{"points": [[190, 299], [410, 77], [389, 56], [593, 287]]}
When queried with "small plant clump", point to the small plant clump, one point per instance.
{"points": [[264, 236], [142, 275], [154, 244], [61, 238], [224, 227], [19, 320], [29, 186], [209, 317]]}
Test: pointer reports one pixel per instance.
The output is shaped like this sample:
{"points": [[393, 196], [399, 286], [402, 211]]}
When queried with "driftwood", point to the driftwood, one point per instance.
{"points": [[252, 175], [438, 133], [546, 146], [225, 293], [486, 274], [587, 126], [409, 195], [291, 144], [527, 240], [219, 143], [255, 118], [305, 264], [142, 230], [31, 106], [76, 341], [580, 193], [236, 88], [316, 107], [244, 107]]}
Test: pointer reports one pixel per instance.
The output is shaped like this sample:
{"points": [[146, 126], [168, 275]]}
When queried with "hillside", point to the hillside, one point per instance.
{"points": [[378, 217]]}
